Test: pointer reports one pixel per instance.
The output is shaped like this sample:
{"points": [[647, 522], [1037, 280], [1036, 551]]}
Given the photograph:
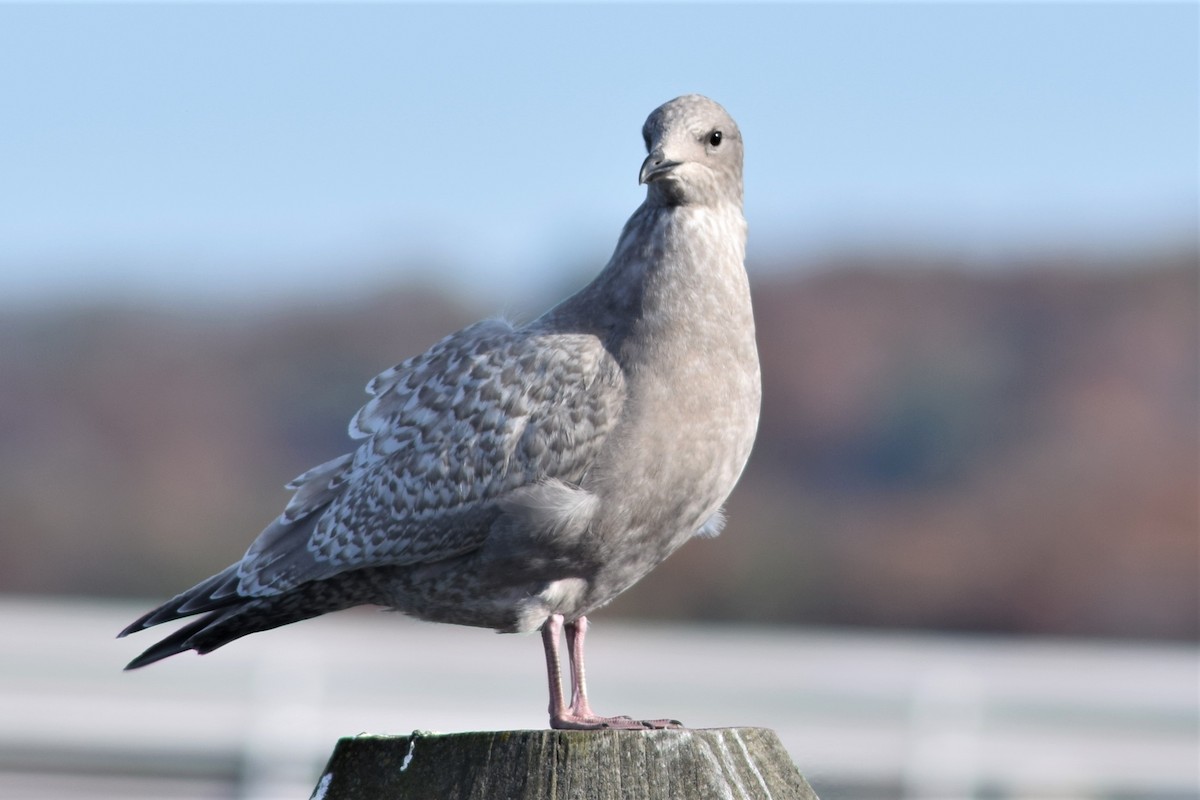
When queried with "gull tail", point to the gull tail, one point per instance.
{"points": [[183, 639], [216, 592], [229, 615]]}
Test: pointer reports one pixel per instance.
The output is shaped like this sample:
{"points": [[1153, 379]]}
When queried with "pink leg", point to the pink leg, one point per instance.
{"points": [[551, 628], [579, 702], [580, 715]]}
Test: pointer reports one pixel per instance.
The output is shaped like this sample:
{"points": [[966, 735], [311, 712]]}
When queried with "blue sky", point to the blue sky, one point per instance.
{"points": [[214, 152]]}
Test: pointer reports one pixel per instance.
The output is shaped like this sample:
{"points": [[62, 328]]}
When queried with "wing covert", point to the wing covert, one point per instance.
{"points": [[446, 435]]}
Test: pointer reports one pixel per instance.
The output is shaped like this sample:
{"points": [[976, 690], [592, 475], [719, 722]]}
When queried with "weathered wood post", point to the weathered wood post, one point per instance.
{"points": [[741, 763]]}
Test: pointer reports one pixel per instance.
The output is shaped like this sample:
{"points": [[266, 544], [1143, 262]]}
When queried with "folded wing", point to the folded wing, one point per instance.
{"points": [[447, 436]]}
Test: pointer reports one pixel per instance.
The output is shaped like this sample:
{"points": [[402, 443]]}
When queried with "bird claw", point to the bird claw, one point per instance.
{"points": [[662, 724]]}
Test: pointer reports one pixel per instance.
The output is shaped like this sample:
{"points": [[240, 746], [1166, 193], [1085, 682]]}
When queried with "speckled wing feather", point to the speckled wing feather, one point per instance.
{"points": [[447, 436]]}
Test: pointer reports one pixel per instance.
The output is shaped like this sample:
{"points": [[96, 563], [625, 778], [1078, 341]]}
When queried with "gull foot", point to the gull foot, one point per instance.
{"points": [[591, 722], [663, 724]]}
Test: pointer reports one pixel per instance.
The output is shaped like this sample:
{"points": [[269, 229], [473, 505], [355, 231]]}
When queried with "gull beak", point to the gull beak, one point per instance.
{"points": [[655, 166]]}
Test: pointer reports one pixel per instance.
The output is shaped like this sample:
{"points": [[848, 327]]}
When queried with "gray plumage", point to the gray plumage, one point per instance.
{"points": [[518, 477]]}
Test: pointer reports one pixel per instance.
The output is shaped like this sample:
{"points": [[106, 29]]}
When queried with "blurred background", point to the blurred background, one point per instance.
{"points": [[963, 560]]}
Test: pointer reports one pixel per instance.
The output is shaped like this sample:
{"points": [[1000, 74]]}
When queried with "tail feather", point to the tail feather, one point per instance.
{"points": [[231, 616], [180, 640], [216, 592], [219, 591]]}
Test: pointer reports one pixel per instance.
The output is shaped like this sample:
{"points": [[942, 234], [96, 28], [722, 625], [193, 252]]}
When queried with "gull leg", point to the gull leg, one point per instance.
{"points": [[580, 715], [562, 717], [551, 629], [576, 631]]}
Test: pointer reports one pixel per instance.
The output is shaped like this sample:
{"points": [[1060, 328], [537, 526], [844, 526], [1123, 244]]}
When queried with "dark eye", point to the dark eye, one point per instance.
{"points": [[714, 139]]}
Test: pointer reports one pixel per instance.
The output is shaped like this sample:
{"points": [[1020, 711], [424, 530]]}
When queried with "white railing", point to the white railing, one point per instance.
{"points": [[864, 715]]}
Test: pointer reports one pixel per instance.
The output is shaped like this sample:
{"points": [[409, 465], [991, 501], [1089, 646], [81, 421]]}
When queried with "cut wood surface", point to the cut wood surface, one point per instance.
{"points": [[734, 763]]}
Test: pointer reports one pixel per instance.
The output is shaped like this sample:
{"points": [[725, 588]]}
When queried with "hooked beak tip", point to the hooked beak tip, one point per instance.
{"points": [[655, 166]]}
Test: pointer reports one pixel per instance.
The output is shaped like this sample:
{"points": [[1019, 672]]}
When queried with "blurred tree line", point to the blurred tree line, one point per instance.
{"points": [[1007, 451]]}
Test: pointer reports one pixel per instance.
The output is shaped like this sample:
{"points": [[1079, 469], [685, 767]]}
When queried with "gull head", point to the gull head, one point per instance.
{"points": [[695, 154]]}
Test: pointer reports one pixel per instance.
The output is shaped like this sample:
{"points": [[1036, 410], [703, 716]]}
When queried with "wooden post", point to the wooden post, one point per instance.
{"points": [[738, 763]]}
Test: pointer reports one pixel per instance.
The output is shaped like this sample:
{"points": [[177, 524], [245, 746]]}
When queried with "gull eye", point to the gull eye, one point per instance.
{"points": [[714, 139]]}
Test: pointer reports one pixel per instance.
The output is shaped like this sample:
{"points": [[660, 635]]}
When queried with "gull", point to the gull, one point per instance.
{"points": [[520, 477]]}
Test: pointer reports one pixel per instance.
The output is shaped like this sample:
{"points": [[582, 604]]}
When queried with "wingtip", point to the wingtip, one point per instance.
{"points": [[133, 627], [145, 659], [139, 624], [172, 645]]}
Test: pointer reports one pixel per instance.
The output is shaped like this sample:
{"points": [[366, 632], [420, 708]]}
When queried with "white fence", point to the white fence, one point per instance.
{"points": [[864, 715]]}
